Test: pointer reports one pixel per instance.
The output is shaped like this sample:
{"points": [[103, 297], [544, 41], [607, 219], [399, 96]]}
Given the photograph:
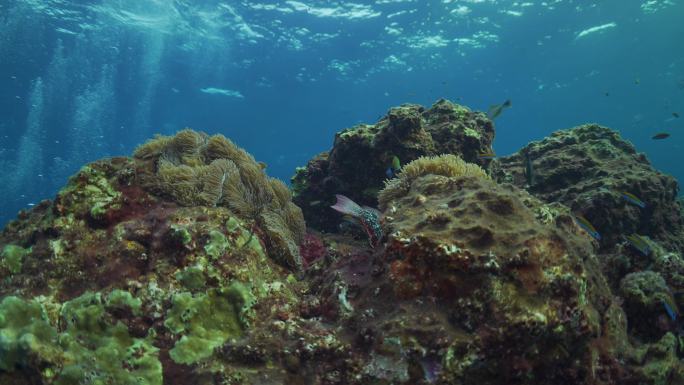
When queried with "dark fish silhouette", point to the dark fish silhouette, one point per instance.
{"points": [[661, 135], [495, 110], [676, 115], [529, 170]]}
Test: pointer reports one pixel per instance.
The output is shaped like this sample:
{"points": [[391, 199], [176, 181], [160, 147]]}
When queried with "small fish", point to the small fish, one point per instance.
{"points": [[607, 93], [587, 226], [675, 114], [262, 165], [637, 81], [670, 310], [639, 243], [396, 163], [529, 170], [631, 198], [486, 155], [661, 135], [368, 217], [496, 109], [314, 203], [393, 168]]}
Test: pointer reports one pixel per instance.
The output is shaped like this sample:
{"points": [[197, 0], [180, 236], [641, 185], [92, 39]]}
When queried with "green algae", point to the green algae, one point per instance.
{"points": [[217, 244], [472, 133], [232, 224], [121, 299], [192, 277], [12, 257], [89, 191], [206, 321], [85, 348], [181, 234], [24, 330]]}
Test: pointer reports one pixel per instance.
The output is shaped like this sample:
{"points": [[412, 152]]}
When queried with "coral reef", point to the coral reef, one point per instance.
{"points": [[510, 283], [113, 284], [588, 168], [356, 165], [186, 264]]}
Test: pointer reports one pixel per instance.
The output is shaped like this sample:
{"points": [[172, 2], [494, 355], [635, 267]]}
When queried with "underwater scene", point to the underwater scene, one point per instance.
{"points": [[379, 192]]}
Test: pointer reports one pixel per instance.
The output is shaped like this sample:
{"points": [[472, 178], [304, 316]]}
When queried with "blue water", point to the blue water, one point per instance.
{"points": [[81, 80]]}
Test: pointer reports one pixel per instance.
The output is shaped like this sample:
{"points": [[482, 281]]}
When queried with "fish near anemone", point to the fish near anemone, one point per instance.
{"points": [[660, 135], [367, 217], [393, 168]]}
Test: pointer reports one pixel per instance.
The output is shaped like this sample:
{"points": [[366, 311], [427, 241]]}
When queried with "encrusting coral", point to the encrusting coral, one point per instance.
{"points": [[194, 169]]}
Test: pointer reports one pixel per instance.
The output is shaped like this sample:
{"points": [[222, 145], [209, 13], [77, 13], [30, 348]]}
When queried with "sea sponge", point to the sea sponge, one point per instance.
{"points": [[447, 165], [194, 169]]}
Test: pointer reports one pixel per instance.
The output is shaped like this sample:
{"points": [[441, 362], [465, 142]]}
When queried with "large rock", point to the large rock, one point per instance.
{"points": [[112, 284], [515, 277], [356, 165], [588, 168]]}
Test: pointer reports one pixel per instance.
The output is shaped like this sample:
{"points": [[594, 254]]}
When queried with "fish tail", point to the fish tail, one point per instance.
{"points": [[346, 206]]}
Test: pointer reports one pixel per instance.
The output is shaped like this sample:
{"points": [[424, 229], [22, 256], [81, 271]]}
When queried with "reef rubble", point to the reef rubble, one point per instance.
{"points": [[186, 264]]}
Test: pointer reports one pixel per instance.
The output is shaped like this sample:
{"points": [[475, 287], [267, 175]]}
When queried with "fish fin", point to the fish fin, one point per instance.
{"points": [[346, 205]]}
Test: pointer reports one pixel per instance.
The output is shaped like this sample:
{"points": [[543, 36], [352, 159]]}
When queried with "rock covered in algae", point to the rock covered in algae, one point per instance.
{"points": [[143, 272], [589, 168], [112, 284], [357, 164], [510, 281]]}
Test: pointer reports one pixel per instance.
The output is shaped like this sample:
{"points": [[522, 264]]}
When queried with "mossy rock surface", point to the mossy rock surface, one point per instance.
{"points": [[114, 284], [357, 165]]}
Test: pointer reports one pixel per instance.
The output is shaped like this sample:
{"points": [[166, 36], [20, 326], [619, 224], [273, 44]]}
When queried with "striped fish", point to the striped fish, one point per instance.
{"points": [[631, 198], [587, 226], [639, 243]]}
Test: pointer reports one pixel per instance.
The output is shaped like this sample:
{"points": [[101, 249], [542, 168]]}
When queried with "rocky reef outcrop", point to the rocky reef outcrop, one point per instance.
{"points": [[357, 164], [187, 264], [513, 276], [589, 168], [139, 270]]}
